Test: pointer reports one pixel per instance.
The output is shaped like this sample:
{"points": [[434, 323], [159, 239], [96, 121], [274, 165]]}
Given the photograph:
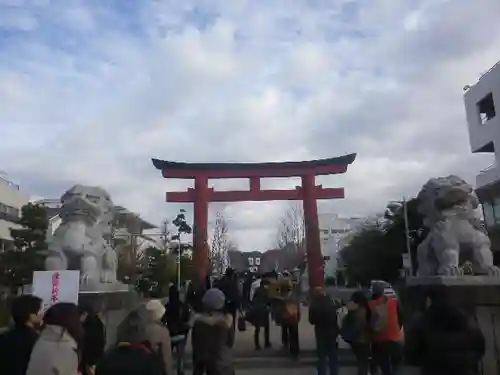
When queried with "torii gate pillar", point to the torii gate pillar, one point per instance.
{"points": [[315, 261], [200, 230]]}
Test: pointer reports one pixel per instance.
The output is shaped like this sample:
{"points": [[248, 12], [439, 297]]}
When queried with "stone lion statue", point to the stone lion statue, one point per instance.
{"points": [[456, 235], [80, 241]]}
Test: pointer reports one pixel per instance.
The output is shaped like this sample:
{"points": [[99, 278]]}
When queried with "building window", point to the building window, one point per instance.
{"points": [[250, 261], [489, 214], [486, 108], [257, 261]]}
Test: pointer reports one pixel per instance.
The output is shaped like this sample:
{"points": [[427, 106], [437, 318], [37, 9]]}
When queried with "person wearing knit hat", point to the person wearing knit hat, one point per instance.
{"points": [[212, 337], [144, 325], [213, 300], [155, 310]]}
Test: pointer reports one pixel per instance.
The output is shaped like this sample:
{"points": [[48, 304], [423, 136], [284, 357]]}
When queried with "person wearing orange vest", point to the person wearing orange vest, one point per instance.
{"points": [[387, 335]]}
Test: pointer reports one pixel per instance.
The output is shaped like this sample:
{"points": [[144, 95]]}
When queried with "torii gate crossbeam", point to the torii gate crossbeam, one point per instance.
{"points": [[308, 192]]}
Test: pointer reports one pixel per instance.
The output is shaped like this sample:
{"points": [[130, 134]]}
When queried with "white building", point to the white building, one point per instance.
{"points": [[482, 102], [334, 229], [12, 199]]}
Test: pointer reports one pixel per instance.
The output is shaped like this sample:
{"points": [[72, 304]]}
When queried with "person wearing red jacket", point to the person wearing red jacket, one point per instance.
{"points": [[387, 335]]}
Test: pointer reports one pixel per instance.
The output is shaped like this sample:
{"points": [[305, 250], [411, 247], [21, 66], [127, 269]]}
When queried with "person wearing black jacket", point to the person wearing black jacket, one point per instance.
{"points": [[94, 338], [259, 314], [228, 284], [177, 318], [323, 316], [17, 344], [444, 340]]}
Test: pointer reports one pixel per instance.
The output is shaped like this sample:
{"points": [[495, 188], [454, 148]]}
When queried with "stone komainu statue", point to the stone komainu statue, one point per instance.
{"points": [[456, 235], [80, 241]]}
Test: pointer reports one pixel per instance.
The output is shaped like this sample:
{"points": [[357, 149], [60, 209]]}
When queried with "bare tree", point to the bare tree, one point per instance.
{"points": [[291, 230], [220, 245]]}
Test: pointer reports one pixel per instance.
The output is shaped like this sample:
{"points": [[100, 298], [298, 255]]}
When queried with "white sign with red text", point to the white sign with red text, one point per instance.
{"points": [[56, 286]]}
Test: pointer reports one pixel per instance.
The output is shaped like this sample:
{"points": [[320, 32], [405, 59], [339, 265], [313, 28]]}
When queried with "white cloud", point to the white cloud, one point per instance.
{"points": [[91, 92]]}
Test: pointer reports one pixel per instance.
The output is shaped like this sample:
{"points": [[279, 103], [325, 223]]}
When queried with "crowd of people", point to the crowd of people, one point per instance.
{"points": [[68, 339], [441, 340]]}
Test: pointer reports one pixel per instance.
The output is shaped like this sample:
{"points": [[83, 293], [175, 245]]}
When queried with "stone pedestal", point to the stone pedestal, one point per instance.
{"points": [[478, 296], [112, 305]]}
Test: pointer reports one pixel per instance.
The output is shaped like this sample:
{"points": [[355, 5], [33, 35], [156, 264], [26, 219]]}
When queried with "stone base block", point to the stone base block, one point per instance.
{"points": [[112, 306]]}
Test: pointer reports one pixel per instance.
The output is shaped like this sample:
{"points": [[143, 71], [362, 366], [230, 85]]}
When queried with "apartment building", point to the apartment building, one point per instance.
{"points": [[482, 103], [334, 230], [12, 199]]}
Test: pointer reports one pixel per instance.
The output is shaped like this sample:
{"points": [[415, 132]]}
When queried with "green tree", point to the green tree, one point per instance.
{"points": [[396, 230], [17, 265], [365, 255], [375, 251], [161, 271]]}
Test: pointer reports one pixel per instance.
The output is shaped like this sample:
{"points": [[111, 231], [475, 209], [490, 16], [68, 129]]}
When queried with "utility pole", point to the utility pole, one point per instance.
{"points": [[407, 233]]}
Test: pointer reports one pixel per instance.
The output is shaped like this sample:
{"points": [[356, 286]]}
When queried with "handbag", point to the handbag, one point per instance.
{"points": [[242, 326]]}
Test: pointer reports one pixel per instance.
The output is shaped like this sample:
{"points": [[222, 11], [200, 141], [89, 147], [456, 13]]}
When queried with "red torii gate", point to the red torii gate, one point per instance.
{"points": [[309, 192]]}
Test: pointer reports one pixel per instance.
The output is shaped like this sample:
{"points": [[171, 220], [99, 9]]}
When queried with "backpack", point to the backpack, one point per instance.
{"points": [[127, 358], [380, 316], [350, 330], [290, 313], [132, 329]]}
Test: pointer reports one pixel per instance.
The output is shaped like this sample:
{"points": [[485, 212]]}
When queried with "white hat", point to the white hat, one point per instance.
{"points": [[155, 309]]}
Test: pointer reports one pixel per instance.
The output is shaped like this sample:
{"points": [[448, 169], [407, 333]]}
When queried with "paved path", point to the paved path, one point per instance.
{"points": [[244, 345], [311, 371], [246, 357]]}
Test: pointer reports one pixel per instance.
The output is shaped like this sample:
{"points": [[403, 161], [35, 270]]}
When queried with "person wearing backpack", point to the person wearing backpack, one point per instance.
{"points": [[211, 337], [144, 326], [323, 316], [130, 359], [355, 330], [387, 335], [228, 284]]}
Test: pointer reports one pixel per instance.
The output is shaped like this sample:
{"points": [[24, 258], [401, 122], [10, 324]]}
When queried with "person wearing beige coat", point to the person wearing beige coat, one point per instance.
{"points": [[55, 353], [57, 350]]}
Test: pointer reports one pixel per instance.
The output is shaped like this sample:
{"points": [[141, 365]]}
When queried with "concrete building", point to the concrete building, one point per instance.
{"points": [[245, 261], [482, 104], [12, 199], [334, 230]]}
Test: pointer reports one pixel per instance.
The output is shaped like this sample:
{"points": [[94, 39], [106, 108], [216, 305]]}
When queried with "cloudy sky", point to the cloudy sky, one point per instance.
{"points": [[91, 90]]}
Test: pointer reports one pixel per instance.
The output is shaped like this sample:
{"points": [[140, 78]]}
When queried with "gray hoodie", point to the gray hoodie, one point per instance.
{"points": [[55, 353]]}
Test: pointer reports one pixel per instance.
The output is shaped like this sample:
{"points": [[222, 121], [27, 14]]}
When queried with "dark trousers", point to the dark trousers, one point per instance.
{"points": [[180, 351], [290, 338], [362, 354], [387, 356], [327, 352], [256, 336]]}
